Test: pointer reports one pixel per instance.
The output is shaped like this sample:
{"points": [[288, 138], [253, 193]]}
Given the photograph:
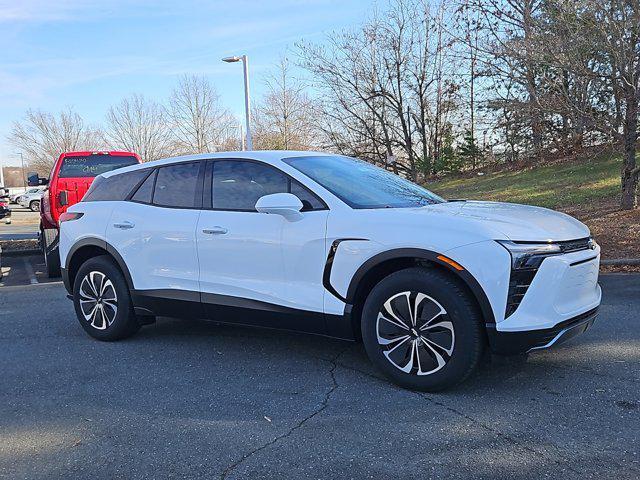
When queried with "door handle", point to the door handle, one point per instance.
{"points": [[215, 231], [124, 225]]}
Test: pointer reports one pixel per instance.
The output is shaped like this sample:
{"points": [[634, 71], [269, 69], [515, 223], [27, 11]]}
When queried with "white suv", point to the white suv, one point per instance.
{"points": [[329, 245]]}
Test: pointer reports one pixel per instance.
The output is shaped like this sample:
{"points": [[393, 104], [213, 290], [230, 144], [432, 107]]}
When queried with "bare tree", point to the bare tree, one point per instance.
{"points": [[509, 57], [139, 125], [285, 117], [389, 89], [42, 137], [198, 121], [353, 117]]}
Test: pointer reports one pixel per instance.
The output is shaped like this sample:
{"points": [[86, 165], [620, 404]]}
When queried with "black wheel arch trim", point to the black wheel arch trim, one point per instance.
{"points": [[467, 278], [103, 244]]}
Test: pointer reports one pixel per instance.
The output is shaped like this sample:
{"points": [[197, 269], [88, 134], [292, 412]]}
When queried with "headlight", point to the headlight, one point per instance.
{"points": [[526, 256]]}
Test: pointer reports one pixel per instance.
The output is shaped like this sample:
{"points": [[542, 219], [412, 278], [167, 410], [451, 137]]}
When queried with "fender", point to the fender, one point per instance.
{"points": [[468, 279], [103, 244]]}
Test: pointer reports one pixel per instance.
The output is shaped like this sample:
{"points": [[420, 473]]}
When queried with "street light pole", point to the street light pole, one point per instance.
{"points": [[247, 101], [247, 106]]}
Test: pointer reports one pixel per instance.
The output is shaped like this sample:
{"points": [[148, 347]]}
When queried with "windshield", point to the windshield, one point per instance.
{"points": [[93, 165], [362, 185]]}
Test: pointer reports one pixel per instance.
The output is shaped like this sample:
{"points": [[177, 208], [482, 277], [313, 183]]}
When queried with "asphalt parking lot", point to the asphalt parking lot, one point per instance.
{"points": [[201, 400], [23, 226]]}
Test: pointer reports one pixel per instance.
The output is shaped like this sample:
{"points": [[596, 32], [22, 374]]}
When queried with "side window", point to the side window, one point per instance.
{"points": [[116, 187], [308, 199], [144, 194], [237, 185], [176, 185]]}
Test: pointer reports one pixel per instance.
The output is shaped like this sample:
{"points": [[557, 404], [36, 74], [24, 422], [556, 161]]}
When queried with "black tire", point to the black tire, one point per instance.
{"points": [[457, 331], [51, 255], [34, 205], [107, 327]]}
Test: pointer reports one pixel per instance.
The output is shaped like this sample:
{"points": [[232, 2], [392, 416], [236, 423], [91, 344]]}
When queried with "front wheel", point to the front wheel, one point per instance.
{"points": [[422, 329], [102, 301], [34, 206]]}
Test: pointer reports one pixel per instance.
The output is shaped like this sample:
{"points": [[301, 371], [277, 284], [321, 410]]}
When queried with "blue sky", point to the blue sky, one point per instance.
{"points": [[88, 54]]}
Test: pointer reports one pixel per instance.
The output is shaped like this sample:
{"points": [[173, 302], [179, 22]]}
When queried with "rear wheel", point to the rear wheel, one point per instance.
{"points": [[102, 301], [422, 330], [49, 243], [34, 205]]}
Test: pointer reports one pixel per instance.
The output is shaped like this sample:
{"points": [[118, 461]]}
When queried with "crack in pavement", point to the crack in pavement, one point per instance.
{"points": [[509, 439], [323, 405]]}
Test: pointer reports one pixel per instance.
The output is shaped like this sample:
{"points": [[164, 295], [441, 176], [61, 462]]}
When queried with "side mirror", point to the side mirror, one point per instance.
{"points": [[33, 180], [63, 199], [285, 204]]}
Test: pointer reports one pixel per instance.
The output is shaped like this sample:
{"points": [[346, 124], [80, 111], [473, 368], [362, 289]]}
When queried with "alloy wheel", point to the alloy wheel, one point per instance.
{"points": [[415, 333], [98, 300]]}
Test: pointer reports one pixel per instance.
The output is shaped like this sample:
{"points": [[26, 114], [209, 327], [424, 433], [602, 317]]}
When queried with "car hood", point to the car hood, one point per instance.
{"points": [[516, 222]]}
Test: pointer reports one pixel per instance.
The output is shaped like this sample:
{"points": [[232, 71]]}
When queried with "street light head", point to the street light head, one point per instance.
{"points": [[231, 59]]}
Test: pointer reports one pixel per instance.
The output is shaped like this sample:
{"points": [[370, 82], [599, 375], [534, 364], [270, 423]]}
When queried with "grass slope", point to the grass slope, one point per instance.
{"points": [[557, 185]]}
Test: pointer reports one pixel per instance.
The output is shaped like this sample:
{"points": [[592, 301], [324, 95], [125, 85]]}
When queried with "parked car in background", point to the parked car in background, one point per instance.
{"points": [[329, 245], [70, 178], [31, 199], [13, 198], [5, 211]]}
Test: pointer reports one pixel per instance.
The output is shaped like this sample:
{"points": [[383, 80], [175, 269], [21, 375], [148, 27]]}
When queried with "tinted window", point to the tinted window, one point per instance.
{"points": [[144, 193], [117, 187], [93, 165], [238, 185], [362, 185], [176, 185]]}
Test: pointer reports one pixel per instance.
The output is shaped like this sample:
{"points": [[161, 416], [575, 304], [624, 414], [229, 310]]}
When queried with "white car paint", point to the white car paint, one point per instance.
{"points": [[25, 199], [281, 261]]}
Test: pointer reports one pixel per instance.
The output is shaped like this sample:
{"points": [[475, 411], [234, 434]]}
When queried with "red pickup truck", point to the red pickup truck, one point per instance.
{"points": [[70, 178]]}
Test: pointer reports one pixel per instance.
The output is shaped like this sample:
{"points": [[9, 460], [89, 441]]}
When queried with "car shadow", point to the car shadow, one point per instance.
{"points": [[495, 372]]}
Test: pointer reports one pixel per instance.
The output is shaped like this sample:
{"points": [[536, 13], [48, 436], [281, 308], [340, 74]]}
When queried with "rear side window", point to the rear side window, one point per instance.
{"points": [[93, 165], [116, 187], [144, 194], [176, 185]]}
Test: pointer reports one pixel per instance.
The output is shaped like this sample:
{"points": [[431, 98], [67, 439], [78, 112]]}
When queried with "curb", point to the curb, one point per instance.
{"points": [[20, 253], [618, 262]]}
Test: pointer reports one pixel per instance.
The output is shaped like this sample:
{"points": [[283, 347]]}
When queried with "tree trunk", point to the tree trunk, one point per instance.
{"points": [[629, 168]]}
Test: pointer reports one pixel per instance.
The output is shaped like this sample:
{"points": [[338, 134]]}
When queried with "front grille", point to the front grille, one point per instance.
{"points": [[575, 245], [518, 285]]}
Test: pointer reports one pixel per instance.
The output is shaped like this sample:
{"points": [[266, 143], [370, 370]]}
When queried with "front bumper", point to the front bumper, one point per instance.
{"points": [[561, 302], [509, 343]]}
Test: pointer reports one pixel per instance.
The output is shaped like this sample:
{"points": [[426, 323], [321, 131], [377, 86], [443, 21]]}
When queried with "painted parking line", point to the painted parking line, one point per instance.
{"points": [[25, 270], [29, 269]]}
